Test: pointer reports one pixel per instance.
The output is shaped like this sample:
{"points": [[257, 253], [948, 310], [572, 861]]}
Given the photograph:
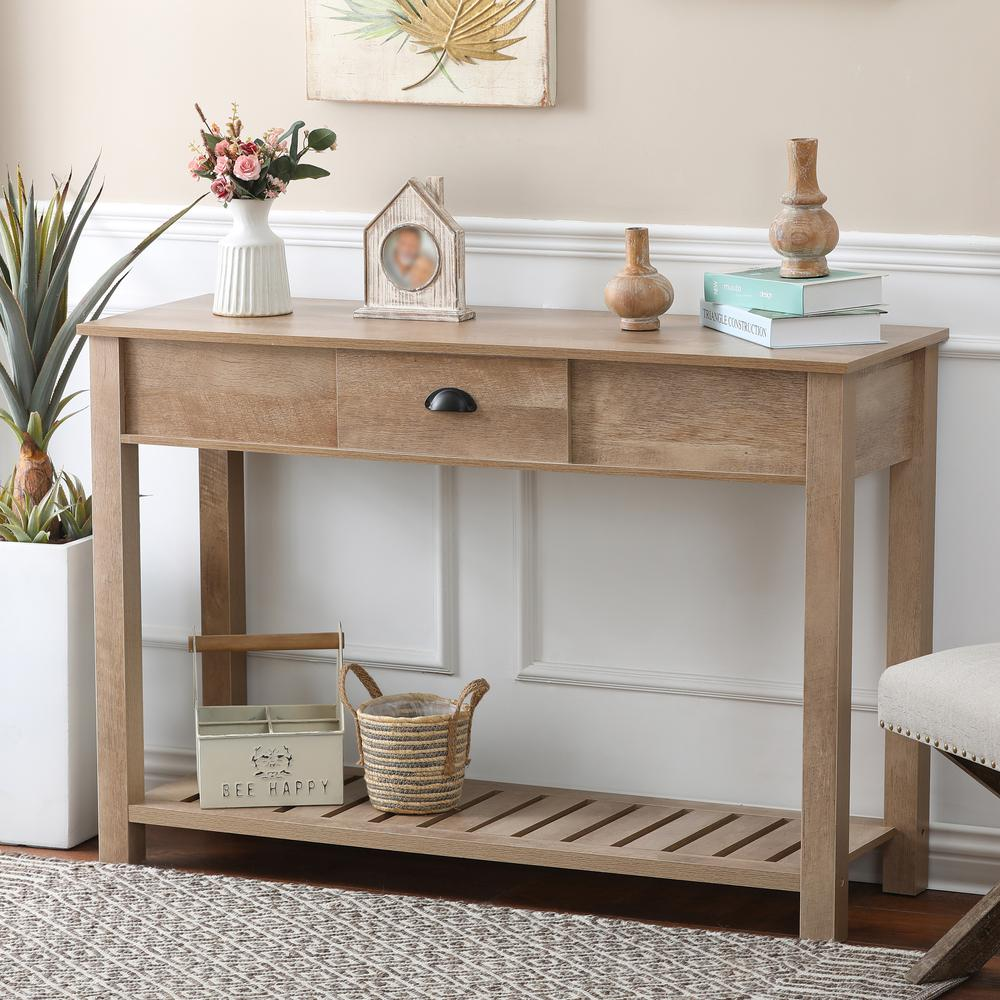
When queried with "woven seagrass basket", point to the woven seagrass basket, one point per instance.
{"points": [[414, 747]]}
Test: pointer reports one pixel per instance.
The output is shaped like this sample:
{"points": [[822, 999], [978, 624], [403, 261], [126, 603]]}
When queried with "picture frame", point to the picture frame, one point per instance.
{"points": [[415, 258], [469, 53]]}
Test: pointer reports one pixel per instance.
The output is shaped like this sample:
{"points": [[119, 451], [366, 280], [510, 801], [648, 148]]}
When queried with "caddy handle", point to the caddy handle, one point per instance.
{"points": [[450, 400], [263, 643]]}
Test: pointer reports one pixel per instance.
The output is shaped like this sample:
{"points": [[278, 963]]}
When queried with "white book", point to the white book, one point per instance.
{"points": [[777, 330]]}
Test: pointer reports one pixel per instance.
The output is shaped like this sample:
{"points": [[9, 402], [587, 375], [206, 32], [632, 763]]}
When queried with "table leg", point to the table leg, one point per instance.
{"points": [[223, 572], [909, 634], [118, 612], [826, 738]]}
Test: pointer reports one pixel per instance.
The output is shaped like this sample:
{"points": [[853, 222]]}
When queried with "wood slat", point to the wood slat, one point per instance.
{"points": [[522, 822], [631, 826], [864, 837], [576, 824], [772, 845], [492, 809], [682, 830], [726, 839], [173, 791]]}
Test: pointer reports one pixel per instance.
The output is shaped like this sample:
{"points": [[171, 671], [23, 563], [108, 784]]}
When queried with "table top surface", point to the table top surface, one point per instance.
{"points": [[497, 331]]}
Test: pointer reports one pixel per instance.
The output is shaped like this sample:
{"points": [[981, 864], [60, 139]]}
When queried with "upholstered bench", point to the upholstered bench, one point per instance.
{"points": [[951, 702]]}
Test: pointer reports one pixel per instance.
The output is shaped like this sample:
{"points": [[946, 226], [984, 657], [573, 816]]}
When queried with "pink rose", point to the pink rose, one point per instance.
{"points": [[197, 164], [247, 167], [222, 188], [222, 148], [223, 165]]}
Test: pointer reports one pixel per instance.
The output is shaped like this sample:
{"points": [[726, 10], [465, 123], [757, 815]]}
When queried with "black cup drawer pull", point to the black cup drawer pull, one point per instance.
{"points": [[450, 400]]}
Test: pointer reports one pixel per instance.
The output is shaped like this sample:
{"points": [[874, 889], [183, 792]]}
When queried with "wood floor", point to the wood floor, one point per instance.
{"points": [[877, 919]]}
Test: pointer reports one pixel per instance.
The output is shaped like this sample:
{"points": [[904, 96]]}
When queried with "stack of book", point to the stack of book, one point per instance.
{"points": [[764, 308]]}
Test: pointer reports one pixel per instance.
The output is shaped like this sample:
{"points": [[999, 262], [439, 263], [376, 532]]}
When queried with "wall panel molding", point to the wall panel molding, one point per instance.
{"points": [[533, 667], [440, 659]]}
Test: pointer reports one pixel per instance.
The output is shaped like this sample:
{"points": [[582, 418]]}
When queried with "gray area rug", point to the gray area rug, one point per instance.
{"points": [[91, 931]]}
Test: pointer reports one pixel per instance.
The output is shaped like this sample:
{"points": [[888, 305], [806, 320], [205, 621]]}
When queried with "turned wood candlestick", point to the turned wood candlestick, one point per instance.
{"points": [[639, 294], [804, 232]]}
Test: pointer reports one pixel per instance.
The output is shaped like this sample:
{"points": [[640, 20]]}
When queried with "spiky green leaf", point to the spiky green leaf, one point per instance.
{"points": [[42, 393]]}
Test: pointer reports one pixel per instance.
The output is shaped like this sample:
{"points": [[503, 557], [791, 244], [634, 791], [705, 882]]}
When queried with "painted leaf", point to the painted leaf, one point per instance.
{"points": [[373, 19], [464, 30]]}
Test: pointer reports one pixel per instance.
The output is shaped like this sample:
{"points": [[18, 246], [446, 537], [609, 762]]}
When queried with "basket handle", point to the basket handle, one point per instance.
{"points": [[370, 686], [474, 691]]}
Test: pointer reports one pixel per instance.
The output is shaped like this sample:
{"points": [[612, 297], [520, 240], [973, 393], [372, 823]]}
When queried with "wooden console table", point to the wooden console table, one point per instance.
{"points": [[554, 390]]}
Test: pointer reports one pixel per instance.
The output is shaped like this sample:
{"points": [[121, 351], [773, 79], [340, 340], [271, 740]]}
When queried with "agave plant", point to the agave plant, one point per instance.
{"points": [[38, 332], [75, 508], [25, 520], [65, 513]]}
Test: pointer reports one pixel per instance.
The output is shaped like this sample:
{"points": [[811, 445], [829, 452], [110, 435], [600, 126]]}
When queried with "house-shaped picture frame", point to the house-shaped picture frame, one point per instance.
{"points": [[415, 258]]}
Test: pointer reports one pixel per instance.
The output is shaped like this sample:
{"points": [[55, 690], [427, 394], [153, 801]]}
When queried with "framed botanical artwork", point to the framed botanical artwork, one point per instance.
{"points": [[473, 53]]}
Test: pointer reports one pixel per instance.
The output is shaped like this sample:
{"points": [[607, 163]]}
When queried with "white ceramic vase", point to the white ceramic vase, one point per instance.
{"points": [[48, 784], [252, 278]]}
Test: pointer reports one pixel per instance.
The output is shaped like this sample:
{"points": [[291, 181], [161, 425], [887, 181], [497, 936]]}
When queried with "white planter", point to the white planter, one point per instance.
{"points": [[252, 277], [48, 783]]}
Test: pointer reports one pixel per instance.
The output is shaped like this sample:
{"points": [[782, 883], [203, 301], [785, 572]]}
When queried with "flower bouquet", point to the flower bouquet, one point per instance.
{"points": [[247, 174]]}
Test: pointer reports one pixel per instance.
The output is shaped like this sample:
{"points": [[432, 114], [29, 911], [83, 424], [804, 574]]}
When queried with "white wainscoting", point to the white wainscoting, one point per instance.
{"points": [[658, 621]]}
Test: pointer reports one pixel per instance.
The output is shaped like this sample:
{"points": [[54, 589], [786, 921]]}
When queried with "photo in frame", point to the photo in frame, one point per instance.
{"points": [[415, 258]]}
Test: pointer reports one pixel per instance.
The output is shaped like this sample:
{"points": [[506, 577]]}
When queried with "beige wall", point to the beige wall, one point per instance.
{"points": [[670, 111]]}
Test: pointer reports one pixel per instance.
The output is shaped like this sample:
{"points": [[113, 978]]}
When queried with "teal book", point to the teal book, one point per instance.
{"points": [[764, 288]]}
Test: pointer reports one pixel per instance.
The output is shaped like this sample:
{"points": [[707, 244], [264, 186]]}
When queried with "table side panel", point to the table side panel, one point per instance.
{"points": [[707, 420], [522, 408], [233, 392], [884, 423]]}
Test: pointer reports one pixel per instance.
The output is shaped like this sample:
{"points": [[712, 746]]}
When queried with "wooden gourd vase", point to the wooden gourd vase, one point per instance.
{"points": [[639, 294], [804, 232]]}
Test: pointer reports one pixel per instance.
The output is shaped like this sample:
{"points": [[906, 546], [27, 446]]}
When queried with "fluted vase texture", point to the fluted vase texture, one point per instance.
{"points": [[252, 277]]}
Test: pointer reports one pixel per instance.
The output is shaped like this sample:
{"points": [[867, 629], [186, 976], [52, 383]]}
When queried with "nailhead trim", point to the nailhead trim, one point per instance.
{"points": [[938, 745]]}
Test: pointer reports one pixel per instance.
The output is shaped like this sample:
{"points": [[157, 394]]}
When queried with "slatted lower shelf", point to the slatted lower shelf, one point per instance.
{"points": [[633, 835]]}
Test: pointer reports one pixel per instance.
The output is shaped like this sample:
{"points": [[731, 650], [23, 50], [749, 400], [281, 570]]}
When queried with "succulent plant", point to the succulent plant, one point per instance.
{"points": [[37, 330], [23, 520], [75, 508], [63, 515]]}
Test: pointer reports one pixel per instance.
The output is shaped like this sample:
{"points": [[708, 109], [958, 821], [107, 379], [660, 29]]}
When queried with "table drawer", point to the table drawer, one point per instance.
{"points": [[234, 393], [678, 418], [521, 410]]}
